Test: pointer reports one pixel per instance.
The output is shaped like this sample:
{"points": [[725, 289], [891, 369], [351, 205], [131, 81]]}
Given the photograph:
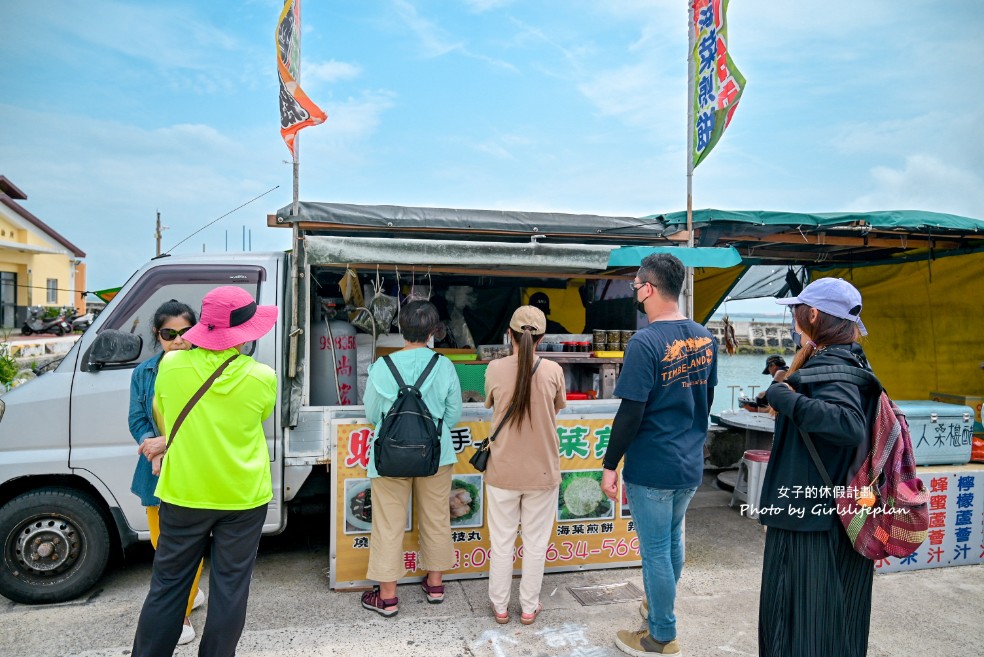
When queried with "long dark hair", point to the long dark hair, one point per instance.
{"points": [[169, 310], [826, 330], [520, 407]]}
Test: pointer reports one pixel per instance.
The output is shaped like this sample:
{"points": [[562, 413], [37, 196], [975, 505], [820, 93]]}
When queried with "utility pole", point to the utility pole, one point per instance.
{"points": [[159, 231]]}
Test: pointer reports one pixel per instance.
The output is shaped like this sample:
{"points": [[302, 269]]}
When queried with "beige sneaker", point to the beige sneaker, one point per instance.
{"points": [[640, 644], [644, 609]]}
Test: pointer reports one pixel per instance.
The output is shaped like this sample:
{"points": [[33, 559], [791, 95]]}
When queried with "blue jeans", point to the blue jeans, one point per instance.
{"points": [[658, 517]]}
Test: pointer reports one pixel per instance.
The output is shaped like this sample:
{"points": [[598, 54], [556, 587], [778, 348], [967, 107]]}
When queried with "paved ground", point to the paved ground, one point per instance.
{"points": [[293, 614]]}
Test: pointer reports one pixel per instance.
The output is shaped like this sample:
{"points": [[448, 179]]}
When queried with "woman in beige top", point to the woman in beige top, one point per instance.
{"points": [[523, 475]]}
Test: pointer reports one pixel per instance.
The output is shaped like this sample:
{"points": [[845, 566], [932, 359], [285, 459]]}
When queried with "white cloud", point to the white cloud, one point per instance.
{"points": [[481, 6], [924, 183], [431, 37], [640, 95], [357, 118], [330, 71]]}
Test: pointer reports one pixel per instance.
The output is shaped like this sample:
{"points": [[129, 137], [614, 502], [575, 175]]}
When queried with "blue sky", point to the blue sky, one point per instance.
{"points": [[111, 111]]}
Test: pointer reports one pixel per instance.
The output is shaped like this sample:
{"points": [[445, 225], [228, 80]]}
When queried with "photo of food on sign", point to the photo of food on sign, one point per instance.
{"points": [[581, 497], [358, 507], [466, 500]]}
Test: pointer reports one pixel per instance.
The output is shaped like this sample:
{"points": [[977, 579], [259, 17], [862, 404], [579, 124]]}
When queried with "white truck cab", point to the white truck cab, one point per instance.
{"points": [[66, 454]]}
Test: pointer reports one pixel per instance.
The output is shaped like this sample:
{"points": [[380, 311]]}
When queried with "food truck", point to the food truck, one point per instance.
{"points": [[67, 458]]}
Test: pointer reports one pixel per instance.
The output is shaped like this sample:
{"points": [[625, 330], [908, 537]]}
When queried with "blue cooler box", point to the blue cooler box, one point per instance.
{"points": [[941, 433]]}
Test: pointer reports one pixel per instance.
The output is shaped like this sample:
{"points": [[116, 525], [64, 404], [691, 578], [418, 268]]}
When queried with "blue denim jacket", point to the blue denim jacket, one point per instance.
{"points": [[142, 426]]}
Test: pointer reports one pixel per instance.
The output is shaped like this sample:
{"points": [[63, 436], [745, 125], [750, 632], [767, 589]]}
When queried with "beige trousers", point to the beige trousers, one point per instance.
{"points": [[390, 498], [507, 510]]}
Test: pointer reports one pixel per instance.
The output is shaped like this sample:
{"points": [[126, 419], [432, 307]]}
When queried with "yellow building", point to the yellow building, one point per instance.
{"points": [[38, 267]]}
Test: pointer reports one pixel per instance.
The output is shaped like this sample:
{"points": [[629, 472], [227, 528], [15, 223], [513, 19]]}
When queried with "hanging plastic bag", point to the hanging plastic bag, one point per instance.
{"points": [[351, 288], [382, 311]]}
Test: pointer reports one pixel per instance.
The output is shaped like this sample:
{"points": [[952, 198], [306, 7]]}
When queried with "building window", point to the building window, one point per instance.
{"points": [[52, 290]]}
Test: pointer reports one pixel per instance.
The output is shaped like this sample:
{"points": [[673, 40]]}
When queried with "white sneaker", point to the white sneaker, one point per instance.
{"points": [[199, 600], [187, 634]]}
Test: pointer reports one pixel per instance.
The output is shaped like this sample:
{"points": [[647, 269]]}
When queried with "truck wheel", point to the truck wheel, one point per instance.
{"points": [[55, 546]]}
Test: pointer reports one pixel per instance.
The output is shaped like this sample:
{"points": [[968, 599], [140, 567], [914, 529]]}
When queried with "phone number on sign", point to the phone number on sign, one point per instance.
{"points": [[566, 551]]}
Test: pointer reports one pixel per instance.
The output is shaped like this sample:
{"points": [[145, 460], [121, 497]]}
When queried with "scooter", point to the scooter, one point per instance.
{"points": [[38, 324], [80, 322]]}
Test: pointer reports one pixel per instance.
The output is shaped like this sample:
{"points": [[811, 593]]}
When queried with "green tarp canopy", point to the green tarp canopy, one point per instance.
{"points": [[917, 220]]}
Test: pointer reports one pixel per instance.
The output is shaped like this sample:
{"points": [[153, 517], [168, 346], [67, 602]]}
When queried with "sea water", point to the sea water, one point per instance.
{"points": [[741, 372]]}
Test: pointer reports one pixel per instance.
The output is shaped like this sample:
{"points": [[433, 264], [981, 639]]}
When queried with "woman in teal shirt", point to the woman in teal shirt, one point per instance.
{"points": [[441, 392]]}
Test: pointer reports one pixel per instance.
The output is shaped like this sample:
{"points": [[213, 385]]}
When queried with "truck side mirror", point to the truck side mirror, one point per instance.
{"points": [[112, 346]]}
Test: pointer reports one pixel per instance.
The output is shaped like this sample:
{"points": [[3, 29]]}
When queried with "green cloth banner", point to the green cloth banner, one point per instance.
{"points": [[718, 257], [718, 84]]}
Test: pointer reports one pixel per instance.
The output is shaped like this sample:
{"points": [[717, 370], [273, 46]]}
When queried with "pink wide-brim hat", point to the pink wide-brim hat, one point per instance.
{"points": [[230, 317]]}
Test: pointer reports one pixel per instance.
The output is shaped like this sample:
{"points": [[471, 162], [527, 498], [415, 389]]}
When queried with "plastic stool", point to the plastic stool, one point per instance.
{"points": [[748, 488]]}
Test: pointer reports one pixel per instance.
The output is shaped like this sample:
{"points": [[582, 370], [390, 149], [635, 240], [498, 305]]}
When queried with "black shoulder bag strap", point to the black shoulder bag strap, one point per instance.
{"points": [[420, 380], [194, 399], [487, 443]]}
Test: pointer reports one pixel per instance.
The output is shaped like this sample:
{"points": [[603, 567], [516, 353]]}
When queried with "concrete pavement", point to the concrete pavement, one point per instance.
{"points": [[293, 614]]}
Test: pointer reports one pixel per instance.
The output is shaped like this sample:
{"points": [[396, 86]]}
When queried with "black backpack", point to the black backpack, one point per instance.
{"points": [[408, 441]]}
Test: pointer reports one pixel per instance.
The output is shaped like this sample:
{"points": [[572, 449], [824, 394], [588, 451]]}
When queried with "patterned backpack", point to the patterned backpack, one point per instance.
{"points": [[885, 506]]}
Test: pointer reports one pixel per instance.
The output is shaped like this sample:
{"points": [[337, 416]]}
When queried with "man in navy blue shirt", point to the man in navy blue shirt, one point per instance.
{"points": [[666, 386]]}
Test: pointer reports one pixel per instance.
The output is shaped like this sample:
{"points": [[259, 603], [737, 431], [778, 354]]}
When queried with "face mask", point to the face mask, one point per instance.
{"points": [[641, 307], [796, 339]]}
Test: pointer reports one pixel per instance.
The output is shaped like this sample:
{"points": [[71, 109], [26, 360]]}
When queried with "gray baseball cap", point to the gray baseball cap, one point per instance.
{"points": [[834, 296]]}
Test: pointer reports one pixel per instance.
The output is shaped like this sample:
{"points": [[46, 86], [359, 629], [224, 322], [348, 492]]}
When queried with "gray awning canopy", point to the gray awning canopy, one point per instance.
{"points": [[491, 256], [504, 225]]}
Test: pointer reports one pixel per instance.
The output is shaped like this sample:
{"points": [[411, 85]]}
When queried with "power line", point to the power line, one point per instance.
{"points": [[222, 217], [42, 287]]}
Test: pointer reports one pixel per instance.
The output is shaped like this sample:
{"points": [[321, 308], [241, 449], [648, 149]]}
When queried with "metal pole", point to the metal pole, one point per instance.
{"points": [[295, 210], [297, 135], [157, 232], [691, 72]]}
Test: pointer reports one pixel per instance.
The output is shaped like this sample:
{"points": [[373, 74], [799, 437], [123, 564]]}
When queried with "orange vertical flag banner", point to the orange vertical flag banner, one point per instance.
{"points": [[297, 111]]}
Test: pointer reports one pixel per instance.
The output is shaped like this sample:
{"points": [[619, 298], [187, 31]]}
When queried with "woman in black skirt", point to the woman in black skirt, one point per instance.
{"points": [[816, 590]]}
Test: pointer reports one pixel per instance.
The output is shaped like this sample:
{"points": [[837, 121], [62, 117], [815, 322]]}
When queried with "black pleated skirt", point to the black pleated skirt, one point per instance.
{"points": [[816, 596]]}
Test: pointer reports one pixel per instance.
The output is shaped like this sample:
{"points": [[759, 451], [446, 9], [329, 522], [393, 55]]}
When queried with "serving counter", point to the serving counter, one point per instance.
{"points": [[590, 531]]}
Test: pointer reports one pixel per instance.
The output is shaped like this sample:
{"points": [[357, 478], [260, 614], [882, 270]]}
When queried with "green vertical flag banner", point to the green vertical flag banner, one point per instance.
{"points": [[718, 85]]}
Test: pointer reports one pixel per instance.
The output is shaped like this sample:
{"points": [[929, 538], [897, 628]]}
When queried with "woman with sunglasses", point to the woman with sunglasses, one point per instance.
{"points": [[171, 321]]}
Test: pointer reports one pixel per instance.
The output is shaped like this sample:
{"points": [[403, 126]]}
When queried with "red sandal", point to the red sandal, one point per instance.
{"points": [[435, 594], [529, 619], [386, 607]]}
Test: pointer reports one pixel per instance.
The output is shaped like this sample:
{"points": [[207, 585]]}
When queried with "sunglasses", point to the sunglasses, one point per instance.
{"points": [[168, 334]]}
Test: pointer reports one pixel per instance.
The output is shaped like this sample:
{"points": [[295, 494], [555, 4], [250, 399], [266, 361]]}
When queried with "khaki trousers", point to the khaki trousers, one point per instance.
{"points": [[507, 510], [390, 498]]}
